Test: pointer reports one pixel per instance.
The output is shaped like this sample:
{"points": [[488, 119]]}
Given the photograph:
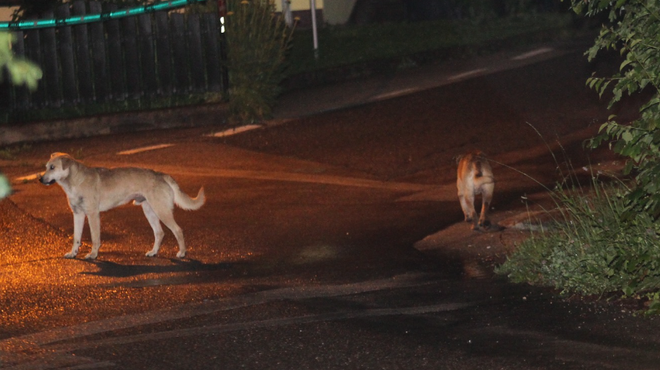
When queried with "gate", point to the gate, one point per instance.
{"points": [[136, 57]]}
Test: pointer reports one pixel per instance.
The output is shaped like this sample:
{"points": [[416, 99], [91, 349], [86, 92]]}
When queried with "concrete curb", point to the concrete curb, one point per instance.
{"points": [[191, 116]]}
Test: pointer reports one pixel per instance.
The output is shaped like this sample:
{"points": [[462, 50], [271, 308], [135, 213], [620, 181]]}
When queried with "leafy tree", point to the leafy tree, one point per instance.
{"points": [[21, 72], [633, 29]]}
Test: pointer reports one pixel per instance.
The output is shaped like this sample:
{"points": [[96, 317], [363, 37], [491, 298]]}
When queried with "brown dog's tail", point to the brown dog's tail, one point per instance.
{"points": [[183, 200]]}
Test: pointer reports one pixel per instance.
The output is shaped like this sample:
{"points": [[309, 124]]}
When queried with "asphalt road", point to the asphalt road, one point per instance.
{"points": [[304, 255]]}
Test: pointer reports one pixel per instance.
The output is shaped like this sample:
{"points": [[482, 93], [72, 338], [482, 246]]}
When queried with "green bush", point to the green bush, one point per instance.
{"points": [[592, 249], [609, 241], [257, 42], [633, 30]]}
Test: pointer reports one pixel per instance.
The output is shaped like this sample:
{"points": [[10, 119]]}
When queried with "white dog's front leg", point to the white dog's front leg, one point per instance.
{"points": [[94, 220], [78, 224]]}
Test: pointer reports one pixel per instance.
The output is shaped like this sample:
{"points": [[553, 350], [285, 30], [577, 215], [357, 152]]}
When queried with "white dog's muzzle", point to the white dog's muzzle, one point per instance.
{"points": [[43, 181]]}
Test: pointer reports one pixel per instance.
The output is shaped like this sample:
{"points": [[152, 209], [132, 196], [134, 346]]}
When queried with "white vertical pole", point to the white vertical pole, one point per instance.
{"points": [[312, 5], [286, 10]]}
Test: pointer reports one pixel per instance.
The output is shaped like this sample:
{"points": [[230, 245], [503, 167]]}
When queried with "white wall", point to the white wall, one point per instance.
{"points": [[300, 4], [334, 11]]}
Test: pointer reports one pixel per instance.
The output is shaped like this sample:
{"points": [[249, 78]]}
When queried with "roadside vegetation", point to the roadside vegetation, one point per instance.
{"points": [[607, 242], [593, 248], [347, 52], [257, 43], [20, 72], [344, 52], [411, 43]]}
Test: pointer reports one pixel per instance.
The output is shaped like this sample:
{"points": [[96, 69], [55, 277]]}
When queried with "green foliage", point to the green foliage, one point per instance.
{"points": [[21, 71], [5, 189], [257, 43], [454, 39], [609, 242], [633, 31], [592, 249]]}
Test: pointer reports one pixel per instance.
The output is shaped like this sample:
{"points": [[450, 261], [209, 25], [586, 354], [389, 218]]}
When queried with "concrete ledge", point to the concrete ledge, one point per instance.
{"points": [[193, 116]]}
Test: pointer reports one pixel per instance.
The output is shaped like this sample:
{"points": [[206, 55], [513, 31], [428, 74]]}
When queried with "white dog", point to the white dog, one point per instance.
{"points": [[92, 190]]}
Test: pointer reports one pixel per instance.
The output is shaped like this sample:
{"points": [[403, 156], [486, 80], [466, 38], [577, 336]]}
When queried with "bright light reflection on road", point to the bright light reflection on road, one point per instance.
{"points": [[235, 130], [532, 53]]}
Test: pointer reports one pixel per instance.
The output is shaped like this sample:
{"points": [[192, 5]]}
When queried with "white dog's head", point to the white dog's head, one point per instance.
{"points": [[57, 168]]}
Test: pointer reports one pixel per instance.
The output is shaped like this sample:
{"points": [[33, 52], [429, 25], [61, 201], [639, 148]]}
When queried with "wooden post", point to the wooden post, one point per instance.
{"points": [[163, 54], [210, 35], [147, 55], [99, 58], [50, 68], [181, 65], [132, 66], [115, 57], [195, 54], [83, 67], [69, 83]]}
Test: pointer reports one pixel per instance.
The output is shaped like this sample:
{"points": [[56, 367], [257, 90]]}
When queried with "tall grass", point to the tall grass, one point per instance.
{"points": [[594, 247], [257, 42]]}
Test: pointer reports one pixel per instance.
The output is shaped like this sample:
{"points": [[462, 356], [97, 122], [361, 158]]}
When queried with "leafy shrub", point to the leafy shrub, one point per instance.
{"points": [[633, 30], [609, 242], [592, 248], [257, 42]]}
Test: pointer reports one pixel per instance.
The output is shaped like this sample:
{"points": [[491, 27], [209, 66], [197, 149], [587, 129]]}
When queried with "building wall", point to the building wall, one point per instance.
{"points": [[6, 12], [300, 4], [331, 11]]}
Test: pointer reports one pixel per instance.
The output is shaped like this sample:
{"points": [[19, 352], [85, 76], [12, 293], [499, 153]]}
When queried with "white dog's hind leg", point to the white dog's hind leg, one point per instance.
{"points": [[78, 224], [167, 218], [154, 221], [94, 220]]}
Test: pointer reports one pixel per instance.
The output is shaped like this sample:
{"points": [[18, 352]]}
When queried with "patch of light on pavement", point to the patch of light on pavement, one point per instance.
{"points": [[235, 130], [394, 94], [471, 73], [144, 149], [27, 178], [532, 53]]}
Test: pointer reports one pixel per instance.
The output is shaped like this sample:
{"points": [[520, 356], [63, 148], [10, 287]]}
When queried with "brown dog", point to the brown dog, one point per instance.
{"points": [[92, 190], [475, 177]]}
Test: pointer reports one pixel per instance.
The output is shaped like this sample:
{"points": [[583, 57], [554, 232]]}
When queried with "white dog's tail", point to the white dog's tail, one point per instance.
{"points": [[182, 199]]}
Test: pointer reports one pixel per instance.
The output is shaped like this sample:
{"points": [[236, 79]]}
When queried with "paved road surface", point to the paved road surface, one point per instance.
{"points": [[303, 256]]}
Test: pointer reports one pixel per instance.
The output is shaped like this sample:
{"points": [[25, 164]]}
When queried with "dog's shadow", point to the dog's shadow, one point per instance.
{"points": [[117, 270]]}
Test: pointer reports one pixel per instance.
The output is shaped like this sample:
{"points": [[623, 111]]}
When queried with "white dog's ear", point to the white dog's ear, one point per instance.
{"points": [[66, 161], [58, 154]]}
